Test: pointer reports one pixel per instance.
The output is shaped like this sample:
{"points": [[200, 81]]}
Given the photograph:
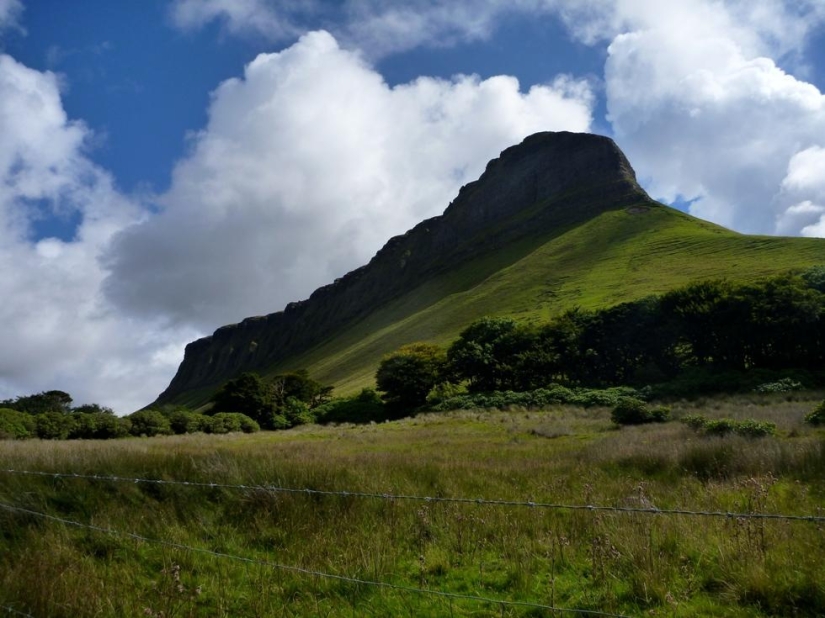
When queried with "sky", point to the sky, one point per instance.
{"points": [[171, 166]]}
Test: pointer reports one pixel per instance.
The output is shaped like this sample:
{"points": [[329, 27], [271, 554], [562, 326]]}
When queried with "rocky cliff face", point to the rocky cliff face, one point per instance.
{"points": [[588, 172]]}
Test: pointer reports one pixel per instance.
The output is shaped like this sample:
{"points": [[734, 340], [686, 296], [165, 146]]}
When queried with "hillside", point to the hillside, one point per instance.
{"points": [[555, 222]]}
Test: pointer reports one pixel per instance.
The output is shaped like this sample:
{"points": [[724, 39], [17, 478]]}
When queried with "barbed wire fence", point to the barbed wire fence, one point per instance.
{"points": [[276, 489], [426, 499], [6, 609], [304, 571]]}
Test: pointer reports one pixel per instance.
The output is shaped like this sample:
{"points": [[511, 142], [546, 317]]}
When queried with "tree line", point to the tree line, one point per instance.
{"points": [[709, 328]]}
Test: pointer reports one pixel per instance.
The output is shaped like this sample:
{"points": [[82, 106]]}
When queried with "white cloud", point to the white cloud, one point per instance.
{"points": [[10, 12], [698, 92], [805, 179], [307, 166], [56, 328], [702, 116], [376, 27]]}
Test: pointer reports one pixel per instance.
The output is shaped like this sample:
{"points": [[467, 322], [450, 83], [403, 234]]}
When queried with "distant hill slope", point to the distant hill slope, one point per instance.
{"points": [[555, 222]]}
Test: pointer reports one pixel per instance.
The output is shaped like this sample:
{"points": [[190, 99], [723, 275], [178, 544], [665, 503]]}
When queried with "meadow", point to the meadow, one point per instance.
{"points": [[244, 548]]}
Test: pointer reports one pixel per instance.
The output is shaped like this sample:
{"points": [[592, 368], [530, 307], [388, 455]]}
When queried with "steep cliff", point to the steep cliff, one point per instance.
{"points": [[581, 174]]}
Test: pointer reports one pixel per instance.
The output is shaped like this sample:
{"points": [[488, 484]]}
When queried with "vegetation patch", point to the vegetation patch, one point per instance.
{"points": [[748, 428]]}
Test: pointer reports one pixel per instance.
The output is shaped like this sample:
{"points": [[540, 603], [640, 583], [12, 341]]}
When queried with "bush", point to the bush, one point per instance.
{"points": [[183, 422], [149, 423], [230, 422], [748, 428], [660, 414], [248, 425], [694, 421], [589, 397], [553, 394], [755, 429], [297, 412], [720, 427], [365, 407], [817, 416], [98, 426], [630, 411], [785, 385], [54, 425], [16, 425]]}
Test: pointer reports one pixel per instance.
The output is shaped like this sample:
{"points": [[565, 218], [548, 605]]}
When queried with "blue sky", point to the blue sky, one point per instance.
{"points": [[169, 166]]}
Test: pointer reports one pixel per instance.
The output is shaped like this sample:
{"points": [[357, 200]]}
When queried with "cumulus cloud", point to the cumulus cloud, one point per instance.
{"points": [[306, 167], [702, 116], [56, 328]]}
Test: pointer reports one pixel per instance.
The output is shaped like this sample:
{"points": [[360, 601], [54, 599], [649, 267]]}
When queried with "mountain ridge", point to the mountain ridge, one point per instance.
{"points": [[556, 221], [542, 166]]}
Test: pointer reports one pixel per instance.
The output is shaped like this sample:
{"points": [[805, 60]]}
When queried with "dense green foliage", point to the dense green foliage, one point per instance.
{"points": [[16, 425], [365, 407], [50, 416], [553, 394], [748, 428], [279, 403], [633, 411], [408, 375], [817, 416], [714, 326]]}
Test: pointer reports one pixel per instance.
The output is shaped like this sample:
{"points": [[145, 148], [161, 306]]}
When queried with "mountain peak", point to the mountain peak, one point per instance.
{"points": [[550, 181]]}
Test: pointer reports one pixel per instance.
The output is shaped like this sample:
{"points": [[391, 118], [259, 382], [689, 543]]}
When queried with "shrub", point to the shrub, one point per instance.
{"points": [[248, 425], [297, 412], [719, 427], [365, 407], [748, 428], [631, 411], [589, 397], [694, 421], [229, 422], [785, 385], [659, 414], [54, 425], [149, 423], [223, 422], [98, 426], [755, 429], [16, 425], [182, 422], [817, 416]]}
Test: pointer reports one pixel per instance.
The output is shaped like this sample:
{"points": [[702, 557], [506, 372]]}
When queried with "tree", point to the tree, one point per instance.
{"points": [[58, 402], [300, 386], [246, 394], [488, 353], [407, 375]]}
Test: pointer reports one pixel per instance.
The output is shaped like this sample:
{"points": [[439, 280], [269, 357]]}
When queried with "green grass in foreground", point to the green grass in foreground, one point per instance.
{"points": [[616, 562]]}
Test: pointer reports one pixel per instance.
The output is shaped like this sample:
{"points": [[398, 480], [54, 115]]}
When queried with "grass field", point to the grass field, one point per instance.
{"points": [[610, 561], [638, 252]]}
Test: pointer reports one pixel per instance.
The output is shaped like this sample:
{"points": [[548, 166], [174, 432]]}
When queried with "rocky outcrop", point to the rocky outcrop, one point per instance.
{"points": [[547, 181]]}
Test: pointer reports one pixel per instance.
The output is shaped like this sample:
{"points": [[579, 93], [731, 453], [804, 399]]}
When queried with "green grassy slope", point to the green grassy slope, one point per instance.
{"points": [[617, 256]]}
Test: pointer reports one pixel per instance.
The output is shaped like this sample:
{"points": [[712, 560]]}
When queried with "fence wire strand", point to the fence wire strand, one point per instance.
{"points": [[305, 571], [5, 609], [429, 499]]}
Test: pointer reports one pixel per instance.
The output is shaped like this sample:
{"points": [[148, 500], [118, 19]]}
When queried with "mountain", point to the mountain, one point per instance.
{"points": [[554, 222]]}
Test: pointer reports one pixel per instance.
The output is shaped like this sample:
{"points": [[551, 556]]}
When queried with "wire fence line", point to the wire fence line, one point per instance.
{"points": [[5, 609], [429, 499], [304, 571]]}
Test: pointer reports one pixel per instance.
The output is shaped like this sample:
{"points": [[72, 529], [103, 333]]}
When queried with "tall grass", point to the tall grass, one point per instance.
{"points": [[615, 562]]}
